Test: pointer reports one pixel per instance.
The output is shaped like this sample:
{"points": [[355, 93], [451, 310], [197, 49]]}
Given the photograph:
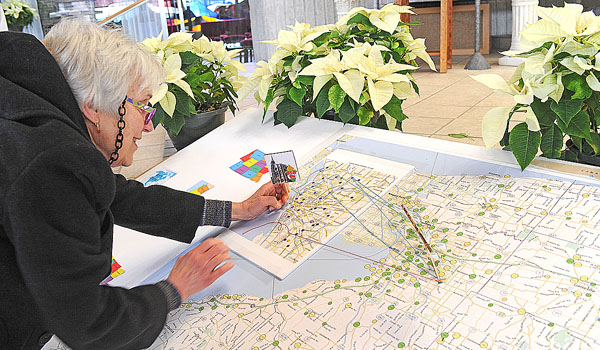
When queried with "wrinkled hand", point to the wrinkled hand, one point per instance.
{"points": [[197, 269], [268, 196]]}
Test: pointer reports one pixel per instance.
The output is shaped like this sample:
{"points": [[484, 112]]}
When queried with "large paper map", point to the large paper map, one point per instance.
{"points": [[519, 258]]}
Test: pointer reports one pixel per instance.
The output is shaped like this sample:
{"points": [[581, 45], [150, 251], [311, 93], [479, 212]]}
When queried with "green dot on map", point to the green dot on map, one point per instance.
{"points": [[391, 307], [480, 213], [337, 286], [490, 304], [367, 278], [551, 324], [408, 197], [445, 229], [568, 218], [593, 284], [284, 297], [368, 295], [388, 290], [306, 313], [431, 227], [458, 222], [213, 299], [358, 279], [449, 250], [451, 194], [324, 324], [588, 294], [417, 285], [416, 210], [401, 280], [329, 303], [459, 234], [497, 256], [423, 273], [227, 307], [261, 299], [422, 208], [401, 345], [570, 261], [275, 343], [420, 265], [444, 240], [444, 335], [376, 281], [474, 254], [304, 291], [387, 278], [434, 220], [356, 324], [472, 276], [419, 189], [500, 185], [214, 307], [390, 205], [361, 293], [416, 303], [388, 268], [201, 308]]}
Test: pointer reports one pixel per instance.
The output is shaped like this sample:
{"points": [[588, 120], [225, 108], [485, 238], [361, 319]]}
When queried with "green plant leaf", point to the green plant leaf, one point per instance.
{"points": [[173, 125], [306, 79], [267, 103], [321, 39], [322, 104], [461, 135], [208, 76], [362, 19], [364, 115], [577, 83], [566, 109], [524, 144], [545, 115], [579, 125], [394, 109], [594, 142], [552, 142], [296, 94], [288, 112], [336, 97], [346, 111], [188, 59]]}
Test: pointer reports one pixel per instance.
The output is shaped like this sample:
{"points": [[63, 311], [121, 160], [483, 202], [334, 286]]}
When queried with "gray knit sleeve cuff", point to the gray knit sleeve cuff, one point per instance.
{"points": [[216, 213], [171, 293]]}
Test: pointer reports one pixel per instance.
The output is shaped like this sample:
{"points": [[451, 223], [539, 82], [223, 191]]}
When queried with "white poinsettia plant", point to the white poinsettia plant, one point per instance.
{"points": [[359, 69], [200, 76], [557, 87]]}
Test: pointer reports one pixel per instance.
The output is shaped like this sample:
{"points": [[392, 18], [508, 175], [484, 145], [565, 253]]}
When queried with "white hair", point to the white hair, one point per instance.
{"points": [[102, 65]]}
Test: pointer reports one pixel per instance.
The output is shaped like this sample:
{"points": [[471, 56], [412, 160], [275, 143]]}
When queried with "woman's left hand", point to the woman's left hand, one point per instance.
{"points": [[268, 196]]}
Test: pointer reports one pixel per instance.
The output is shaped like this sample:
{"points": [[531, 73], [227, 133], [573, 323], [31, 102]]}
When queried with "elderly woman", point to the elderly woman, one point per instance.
{"points": [[68, 112]]}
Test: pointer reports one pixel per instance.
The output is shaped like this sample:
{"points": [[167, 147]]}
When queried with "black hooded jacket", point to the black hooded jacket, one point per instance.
{"points": [[58, 202]]}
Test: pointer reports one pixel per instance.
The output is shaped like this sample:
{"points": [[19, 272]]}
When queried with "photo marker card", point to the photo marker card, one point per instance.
{"points": [[200, 187], [160, 177], [282, 166]]}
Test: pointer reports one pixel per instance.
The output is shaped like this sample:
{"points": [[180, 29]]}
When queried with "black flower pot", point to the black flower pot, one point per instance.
{"points": [[15, 28], [582, 157], [197, 126]]}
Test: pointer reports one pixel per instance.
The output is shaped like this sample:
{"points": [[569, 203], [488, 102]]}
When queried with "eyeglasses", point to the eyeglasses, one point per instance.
{"points": [[146, 108]]}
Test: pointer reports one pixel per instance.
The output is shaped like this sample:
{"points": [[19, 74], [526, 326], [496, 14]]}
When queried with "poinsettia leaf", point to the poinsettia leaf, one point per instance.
{"points": [[566, 109], [336, 97], [543, 112], [524, 144], [174, 124], [288, 112], [577, 84], [552, 141], [579, 125], [346, 112], [364, 115], [296, 94], [594, 142], [394, 109]]}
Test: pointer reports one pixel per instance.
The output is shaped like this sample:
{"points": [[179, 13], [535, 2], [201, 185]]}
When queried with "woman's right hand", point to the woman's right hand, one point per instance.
{"points": [[197, 269]]}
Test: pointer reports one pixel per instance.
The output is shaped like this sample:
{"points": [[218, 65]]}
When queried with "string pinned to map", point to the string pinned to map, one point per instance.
{"points": [[341, 250]]}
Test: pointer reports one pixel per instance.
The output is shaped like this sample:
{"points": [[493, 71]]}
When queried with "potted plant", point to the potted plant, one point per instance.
{"points": [[557, 87], [357, 71], [18, 14], [201, 84]]}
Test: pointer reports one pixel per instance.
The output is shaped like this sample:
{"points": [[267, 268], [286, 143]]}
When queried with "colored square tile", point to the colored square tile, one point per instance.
{"points": [[261, 163], [258, 155], [250, 162], [257, 177], [242, 169], [255, 168], [249, 174], [236, 165], [264, 170]]}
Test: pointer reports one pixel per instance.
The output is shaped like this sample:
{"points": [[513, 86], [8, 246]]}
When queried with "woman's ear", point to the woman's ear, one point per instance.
{"points": [[91, 113]]}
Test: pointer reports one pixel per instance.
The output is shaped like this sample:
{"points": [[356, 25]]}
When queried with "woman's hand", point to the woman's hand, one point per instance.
{"points": [[269, 196], [197, 269]]}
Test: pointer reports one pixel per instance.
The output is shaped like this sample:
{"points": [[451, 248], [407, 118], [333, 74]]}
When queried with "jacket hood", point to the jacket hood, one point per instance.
{"points": [[33, 90]]}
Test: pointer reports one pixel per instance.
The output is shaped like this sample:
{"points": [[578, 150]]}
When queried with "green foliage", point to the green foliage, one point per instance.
{"points": [[18, 12], [524, 144]]}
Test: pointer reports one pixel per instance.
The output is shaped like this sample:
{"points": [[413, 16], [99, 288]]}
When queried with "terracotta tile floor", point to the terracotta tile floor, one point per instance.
{"points": [[450, 103]]}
